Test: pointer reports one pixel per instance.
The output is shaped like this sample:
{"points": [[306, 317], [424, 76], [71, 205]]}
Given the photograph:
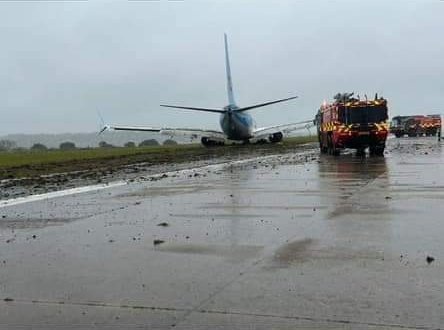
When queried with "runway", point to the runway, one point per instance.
{"points": [[279, 242]]}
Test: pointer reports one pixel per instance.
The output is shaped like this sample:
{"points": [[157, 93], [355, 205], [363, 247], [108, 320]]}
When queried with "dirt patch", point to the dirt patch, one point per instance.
{"points": [[292, 252], [33, 223], [306, 250], [233, 253]]}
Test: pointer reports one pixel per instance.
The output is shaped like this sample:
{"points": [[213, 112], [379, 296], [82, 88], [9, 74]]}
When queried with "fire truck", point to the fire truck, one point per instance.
{"points": [[413, 126], [349, 122]]}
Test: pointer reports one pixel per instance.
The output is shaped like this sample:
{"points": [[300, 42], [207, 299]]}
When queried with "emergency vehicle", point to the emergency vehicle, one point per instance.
{"points": [[349, 122], [417, 125]]}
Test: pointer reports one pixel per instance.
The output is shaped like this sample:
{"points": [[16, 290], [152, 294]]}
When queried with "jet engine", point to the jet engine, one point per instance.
{"points": [[276, 137]]}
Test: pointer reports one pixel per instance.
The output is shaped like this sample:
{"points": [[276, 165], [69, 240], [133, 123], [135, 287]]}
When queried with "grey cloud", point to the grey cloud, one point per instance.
{"points": [[62, 61]]}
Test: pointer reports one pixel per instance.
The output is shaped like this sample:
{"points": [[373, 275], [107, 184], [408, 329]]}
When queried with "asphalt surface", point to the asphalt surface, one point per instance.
{"points": [[278, 242]]}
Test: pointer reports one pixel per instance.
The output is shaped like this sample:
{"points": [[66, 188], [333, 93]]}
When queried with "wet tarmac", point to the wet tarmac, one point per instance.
{"points": [[278, 242]]}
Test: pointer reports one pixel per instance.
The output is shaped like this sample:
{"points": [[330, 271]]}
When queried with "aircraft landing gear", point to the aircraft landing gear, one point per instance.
{"points": [[208, 142]]}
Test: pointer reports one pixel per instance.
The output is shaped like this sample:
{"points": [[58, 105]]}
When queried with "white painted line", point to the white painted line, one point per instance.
{"points": [[54, 194]]}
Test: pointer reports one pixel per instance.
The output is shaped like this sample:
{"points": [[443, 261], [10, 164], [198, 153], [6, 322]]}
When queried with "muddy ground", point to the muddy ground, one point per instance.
{"points": [[101, 171]]}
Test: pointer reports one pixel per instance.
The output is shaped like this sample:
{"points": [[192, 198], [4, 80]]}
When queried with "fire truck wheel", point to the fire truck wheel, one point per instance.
{"points": [[329, 145], [323, 148], [377, 151], [332, 150]]}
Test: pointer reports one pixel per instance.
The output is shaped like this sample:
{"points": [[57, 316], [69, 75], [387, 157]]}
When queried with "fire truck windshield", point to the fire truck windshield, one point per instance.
{"points": [[363, 115]]}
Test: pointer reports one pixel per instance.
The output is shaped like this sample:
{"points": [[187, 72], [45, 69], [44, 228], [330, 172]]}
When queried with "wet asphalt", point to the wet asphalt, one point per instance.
{"points": [[279, 242]]}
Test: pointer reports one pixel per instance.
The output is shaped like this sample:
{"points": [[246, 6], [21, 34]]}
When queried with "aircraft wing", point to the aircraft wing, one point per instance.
{"points": [[284, 129], [170, 131]]}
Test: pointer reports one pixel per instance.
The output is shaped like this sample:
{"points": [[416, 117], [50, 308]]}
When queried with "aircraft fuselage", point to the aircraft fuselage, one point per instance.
{"points": [[236, 125]]}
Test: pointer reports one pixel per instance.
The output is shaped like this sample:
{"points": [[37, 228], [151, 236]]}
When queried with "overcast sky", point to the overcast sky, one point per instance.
{"points": [[61, 61]]}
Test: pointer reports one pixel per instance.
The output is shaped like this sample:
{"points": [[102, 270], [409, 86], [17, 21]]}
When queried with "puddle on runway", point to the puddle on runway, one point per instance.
{"points": [[415, 188], [220, 215], [264, 207], [167, 191], [415, 194], [366, 210]]}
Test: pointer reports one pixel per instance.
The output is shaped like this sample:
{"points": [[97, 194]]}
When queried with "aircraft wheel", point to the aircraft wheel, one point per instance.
{"points": [[207, 142]]}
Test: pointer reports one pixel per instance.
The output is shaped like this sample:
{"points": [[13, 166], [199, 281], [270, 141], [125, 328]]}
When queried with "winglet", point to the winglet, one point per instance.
{"points": [[103, 126]]}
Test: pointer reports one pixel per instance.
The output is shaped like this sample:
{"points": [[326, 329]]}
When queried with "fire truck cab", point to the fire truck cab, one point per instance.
{"points": [[352, 123]]}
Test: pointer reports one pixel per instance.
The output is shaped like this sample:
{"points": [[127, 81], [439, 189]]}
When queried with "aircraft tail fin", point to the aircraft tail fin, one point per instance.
{"points": [[231, 100]]}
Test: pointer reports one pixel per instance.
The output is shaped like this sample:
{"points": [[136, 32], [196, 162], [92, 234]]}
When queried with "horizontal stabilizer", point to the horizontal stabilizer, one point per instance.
{"points": [[135, 129], [192, 108], [265, 104], [130, 128]]}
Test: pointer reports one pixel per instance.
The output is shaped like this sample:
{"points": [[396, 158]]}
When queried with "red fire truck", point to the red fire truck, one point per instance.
{"points": [[417, 125], [349, 122]]}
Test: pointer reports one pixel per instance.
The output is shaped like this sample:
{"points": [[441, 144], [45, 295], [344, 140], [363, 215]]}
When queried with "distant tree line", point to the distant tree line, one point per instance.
{"points": [[8, 145], [144, 143], [67, 146], [39, 147]]}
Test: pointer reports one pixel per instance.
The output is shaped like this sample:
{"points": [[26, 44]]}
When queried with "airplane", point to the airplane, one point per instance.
{"points": [[235, 122]]}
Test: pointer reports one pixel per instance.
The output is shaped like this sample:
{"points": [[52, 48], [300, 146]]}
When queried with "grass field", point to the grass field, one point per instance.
{"points": [[22, 158], [30, 163]]}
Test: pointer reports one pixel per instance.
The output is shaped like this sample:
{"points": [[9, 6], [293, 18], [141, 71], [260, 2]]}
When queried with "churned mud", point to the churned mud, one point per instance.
{"points": [[28, 180]]}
